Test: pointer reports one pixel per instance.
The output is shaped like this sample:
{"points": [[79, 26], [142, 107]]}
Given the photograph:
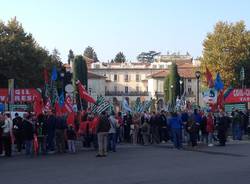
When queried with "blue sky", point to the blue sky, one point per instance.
{"points": [[131, 26]]}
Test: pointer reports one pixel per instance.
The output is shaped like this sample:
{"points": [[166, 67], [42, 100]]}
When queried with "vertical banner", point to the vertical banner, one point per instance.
{"points": [[11, 91]]}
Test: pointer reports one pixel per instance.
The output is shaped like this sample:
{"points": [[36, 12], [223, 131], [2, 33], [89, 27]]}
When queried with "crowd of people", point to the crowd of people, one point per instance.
{"points": [[48, 133]]}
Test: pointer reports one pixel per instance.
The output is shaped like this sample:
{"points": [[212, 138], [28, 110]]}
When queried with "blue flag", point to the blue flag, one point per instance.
{"points": [[61, 100], [54, 74], [125, 106], [218, 84]]}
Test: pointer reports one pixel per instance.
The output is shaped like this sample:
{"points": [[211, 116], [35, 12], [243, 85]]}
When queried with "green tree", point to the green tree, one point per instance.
{"points": [[120, 58], [147, 57], [225, 49], [21, 58], [70, 56], [172, 85], [166, 89], [90, 53], [80, 72]]}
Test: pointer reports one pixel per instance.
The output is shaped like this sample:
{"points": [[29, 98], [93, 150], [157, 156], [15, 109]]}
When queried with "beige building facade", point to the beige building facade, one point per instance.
{"points": [[144, 80]]}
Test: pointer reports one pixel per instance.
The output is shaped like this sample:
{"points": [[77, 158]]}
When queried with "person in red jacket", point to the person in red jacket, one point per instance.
{"points": [[210, 128]]}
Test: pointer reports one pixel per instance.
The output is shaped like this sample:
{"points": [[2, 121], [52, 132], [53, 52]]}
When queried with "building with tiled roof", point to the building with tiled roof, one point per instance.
{"points": [[144, 80]]}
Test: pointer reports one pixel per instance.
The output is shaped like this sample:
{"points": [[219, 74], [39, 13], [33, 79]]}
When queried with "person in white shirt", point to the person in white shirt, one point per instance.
{"points": [[7, 132]]}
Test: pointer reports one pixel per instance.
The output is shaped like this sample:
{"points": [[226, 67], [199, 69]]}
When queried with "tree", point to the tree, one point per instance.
{"points": [[90, 53], [172, 85], [166, 89], [80, 72], [225, 49], [120, 58], [55, 56], [21, 58], [70, 56], [147, 57]]}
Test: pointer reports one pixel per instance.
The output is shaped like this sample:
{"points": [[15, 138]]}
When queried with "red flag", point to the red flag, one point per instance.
{"points": [[71, 118], [35, 144], [83, 93], [220, 100], [209, 77], [47, 106], [38, 105], [68, 105], [58, 109], [46, 77]]}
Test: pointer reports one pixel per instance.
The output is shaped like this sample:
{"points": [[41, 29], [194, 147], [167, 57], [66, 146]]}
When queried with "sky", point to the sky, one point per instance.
{"points": [[130, 26]]}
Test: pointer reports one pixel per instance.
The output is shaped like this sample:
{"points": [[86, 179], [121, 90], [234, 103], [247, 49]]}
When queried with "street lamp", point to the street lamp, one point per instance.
{"points": [[172, 98], [62, 75], [181, 82], [198, 75]]}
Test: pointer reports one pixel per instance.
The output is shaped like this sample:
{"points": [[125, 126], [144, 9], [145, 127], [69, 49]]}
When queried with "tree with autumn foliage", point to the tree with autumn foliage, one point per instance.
{"points": [[226, 49]]}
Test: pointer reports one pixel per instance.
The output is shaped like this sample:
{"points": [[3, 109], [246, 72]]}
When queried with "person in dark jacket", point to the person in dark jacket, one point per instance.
{"points": [[163, 127], [71, 136], [154, 128], [193, 130], [222, 127], [127, 122], [28, 133], [175, 124], [17, 131], [60, 126], [184, 118], [237, 125], [41, 132], [51, 122], [203, 128], [102, 135]]}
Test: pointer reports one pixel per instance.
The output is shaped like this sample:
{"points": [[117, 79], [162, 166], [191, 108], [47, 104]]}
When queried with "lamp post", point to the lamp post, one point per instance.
{"points": [[198, 75], [242, 76], [62, 75], [172, 97], [181, 82]]}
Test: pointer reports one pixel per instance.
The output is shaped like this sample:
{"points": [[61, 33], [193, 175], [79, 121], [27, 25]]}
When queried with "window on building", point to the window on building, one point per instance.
{"points": [[126, 77], [126, 89], [154, 66], [97, 66], [115, 77], [115, 88], [160, 86], [189, 90], [161, 66], [189, 80], [137, 88], [137, 78], [106, 88]]}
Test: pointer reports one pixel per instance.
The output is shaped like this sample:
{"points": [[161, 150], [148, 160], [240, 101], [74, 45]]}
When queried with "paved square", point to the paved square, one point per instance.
{"points": [[133, 165]]}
